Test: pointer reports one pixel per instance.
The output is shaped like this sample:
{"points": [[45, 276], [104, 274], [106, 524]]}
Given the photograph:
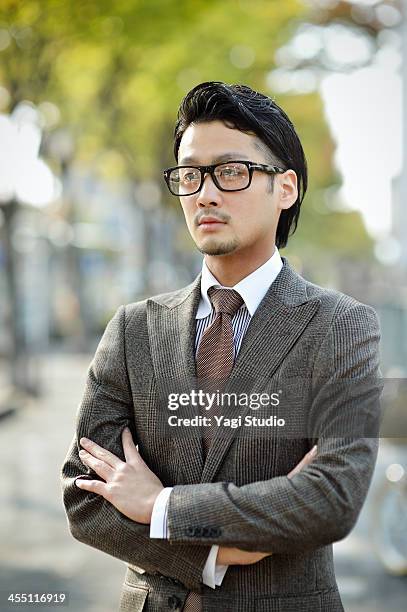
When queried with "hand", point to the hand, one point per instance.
{"points": [[236, 556], [129, 485]]}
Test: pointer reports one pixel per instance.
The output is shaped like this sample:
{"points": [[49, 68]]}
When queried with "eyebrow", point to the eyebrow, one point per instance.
{"points": [[229, 156]]}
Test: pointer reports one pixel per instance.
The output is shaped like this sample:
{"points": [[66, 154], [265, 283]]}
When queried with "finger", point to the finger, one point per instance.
{"points": [[294, 471], [129, 448], [308, 457], [311, 454], [101, 468], [100, 452], [94, 486], [306, 460]]}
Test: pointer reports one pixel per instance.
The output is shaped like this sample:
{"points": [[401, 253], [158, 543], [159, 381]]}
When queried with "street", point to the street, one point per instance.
{"points": [[38, 555]]}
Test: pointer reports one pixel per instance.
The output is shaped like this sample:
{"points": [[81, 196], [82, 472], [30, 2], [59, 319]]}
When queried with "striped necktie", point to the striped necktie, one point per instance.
{"points": [[215, 352], [214, 363]]}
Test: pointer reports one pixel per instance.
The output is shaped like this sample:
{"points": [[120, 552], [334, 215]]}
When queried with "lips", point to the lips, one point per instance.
{"points": [[210, 220]]}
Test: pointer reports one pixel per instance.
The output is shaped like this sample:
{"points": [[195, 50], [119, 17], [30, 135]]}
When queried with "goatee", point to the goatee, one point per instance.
{"points": [[224, 248]]}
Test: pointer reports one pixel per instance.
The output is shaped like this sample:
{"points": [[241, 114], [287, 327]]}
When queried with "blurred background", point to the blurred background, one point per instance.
{"points": [[88, 97]]}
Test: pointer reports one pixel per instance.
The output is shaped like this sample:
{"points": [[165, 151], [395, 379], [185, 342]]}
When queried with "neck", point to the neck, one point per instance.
{"points": [[231, 269]]}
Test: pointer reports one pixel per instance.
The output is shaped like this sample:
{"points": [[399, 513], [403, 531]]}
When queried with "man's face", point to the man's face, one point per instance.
{"points": [[247, 219]]}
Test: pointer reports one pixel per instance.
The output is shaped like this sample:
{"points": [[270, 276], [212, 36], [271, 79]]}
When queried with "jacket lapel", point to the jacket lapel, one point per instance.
{"points": [[278, 322], [171, 328]]}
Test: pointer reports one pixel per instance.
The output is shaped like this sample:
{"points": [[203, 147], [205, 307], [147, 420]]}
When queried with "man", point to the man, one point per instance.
{"points": [[215, 517]]}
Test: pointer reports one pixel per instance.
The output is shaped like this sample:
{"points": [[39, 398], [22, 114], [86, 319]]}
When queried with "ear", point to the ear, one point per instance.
{"points": [[287, 185]]}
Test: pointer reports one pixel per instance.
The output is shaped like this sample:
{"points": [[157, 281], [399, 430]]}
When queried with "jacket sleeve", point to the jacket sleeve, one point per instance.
{"points": [[320, 504], [106, 408]]}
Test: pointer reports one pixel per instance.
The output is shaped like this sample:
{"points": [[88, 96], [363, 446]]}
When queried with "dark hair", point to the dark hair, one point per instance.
{"points": [[241, 107]]}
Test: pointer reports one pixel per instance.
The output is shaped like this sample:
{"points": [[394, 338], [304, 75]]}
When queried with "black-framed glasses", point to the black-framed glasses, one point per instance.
{"points": [[227, 176]]}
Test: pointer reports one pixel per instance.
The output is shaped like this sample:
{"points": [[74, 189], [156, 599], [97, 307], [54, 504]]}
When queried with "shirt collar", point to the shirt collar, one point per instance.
{"points": [[252, 288]]}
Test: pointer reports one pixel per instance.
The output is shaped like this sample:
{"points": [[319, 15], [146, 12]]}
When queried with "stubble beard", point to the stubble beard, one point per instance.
{"points": [[216, 248]]}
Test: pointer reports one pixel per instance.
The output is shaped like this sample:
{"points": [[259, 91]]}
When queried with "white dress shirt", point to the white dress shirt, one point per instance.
{"points": [[252, 289]]}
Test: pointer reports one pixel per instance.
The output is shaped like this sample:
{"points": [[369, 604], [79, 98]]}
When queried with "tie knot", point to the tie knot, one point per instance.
{"points": [[227, 301]]}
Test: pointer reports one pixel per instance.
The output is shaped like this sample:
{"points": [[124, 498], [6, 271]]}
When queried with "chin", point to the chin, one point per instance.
{"points": [[218, 248]]}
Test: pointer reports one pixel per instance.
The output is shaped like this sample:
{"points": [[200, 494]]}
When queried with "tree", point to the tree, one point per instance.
{"points": [[116, 71]]}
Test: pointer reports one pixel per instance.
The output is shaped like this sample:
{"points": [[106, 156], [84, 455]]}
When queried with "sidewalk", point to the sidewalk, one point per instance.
{"points": [[6, 406], [37, 553]]}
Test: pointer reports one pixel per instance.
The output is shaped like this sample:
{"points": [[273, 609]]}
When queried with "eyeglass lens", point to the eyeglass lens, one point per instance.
{"points": [[230, 177]]}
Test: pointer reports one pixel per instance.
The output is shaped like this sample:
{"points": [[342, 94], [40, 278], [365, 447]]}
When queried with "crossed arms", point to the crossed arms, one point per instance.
{"points": [[132, 488], [317, 506]]}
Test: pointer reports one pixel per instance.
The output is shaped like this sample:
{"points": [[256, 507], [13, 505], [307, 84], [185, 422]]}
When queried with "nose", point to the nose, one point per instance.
{"points": [[209, 195]]}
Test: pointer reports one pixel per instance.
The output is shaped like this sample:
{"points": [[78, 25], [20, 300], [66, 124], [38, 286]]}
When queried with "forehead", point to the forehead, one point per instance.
{"points": [[206, 142]]}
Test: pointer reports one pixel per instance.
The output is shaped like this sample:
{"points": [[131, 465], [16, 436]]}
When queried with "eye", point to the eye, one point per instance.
{"points": [[230, 171], [190, 175]]}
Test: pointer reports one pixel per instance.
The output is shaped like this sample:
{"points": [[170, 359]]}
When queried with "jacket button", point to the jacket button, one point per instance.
{"points": [[190, 531], [174, 603]]}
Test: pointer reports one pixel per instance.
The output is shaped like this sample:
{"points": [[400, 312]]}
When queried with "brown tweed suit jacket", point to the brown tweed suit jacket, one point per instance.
{"points": [[241, 497]]}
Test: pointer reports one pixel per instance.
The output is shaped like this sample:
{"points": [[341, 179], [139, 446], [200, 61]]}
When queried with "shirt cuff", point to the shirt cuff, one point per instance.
{"points": [[158, 523], [213, 573]]}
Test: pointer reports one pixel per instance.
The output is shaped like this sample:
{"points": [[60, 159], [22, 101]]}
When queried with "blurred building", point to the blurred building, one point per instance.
{"points": [[400, 185], [104, 243]]}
